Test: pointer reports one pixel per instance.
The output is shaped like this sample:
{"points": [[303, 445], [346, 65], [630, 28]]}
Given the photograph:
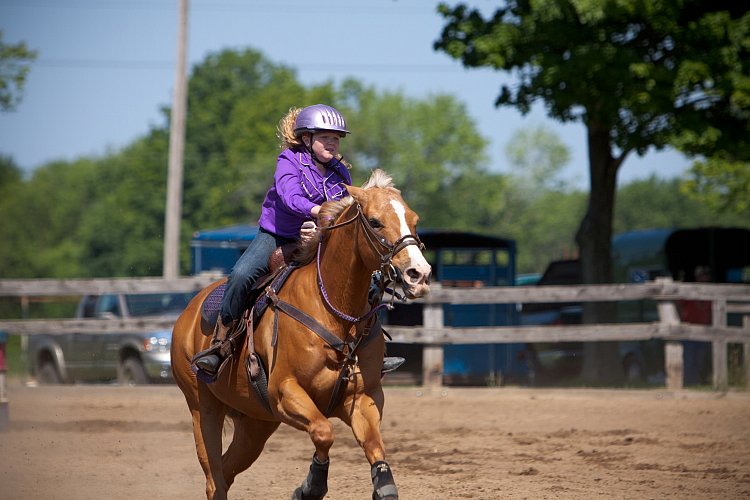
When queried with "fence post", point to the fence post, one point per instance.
{"points": [[4, 410], [673, 350], [746, 351], [719, 347], [432, 354]]}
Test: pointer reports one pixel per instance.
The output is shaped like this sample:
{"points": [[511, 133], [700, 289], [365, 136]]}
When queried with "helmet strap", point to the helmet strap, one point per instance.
{"points": [[315, 158]]}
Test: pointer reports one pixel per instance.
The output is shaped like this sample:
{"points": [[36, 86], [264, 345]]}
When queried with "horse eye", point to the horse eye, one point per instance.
{"points": [[375, 223]]}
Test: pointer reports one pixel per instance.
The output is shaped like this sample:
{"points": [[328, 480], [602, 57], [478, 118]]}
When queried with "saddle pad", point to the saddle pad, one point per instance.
{"points": [[212, 306]]}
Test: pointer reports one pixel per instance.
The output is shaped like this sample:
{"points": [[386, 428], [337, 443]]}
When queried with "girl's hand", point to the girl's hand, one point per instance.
{"points": [[307, 230]]}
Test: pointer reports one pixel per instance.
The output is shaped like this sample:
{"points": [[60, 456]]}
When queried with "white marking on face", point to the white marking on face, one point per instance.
{"points": [[414, 253]]}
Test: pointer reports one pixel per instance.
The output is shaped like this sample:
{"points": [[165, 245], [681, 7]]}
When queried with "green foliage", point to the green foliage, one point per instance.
{"points": [[41, 217], [538, 156], [611, 64], [429, 146], [639, 75], [235, 101], [658, 203], [14, 68], [10, 174], [722, 185], [105, 216], [545, 228], [122, 231]]}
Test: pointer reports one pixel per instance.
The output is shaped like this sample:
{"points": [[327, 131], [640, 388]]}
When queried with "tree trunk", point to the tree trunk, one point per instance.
{"points": [[601, 360]]}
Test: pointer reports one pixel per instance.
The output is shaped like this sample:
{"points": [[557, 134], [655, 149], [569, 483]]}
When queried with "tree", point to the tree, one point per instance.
{"points": [[659, 203], [721, 184], [41, 221], [14, 68], [431, 148], [10, 174], [637, 74], [538, 156]]}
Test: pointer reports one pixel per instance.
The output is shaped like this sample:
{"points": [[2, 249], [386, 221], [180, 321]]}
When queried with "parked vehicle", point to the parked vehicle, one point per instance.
{"points": [[640, 256], [127, 358], [559, 361]]}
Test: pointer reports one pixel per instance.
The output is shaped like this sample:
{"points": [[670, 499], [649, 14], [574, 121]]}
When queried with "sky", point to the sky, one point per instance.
{"points": [[105, 69]]}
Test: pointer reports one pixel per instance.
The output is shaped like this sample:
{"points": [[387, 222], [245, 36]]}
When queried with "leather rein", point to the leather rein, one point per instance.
{"points": [[386, 251], [388, 272]]}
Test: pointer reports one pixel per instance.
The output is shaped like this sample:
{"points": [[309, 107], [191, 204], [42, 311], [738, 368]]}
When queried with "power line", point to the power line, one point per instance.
{"points": [[163, 65], [216, 6]]}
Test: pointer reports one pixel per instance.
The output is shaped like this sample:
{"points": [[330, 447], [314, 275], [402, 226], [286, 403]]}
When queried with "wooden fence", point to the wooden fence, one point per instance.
{"points": [[433, 334]]}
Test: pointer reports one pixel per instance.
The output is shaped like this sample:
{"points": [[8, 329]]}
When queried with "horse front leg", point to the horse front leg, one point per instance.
{"points": [[364, 412], [298, 410], [315, 485]]}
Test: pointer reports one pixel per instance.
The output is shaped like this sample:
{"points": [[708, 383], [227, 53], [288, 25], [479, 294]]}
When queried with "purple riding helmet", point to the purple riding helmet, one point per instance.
{"points": [[319, 117]]}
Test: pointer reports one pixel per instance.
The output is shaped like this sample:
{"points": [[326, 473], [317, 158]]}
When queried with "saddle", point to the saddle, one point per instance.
{"points": [[211, 306], [281, 265]]}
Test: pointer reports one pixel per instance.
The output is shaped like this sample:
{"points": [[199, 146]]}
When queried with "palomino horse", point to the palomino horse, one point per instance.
{"points": [[372, 229]]}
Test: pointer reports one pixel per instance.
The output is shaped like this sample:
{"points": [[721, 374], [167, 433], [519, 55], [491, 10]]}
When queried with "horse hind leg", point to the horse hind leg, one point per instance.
{"points": [[248, 440], [208, 422]]}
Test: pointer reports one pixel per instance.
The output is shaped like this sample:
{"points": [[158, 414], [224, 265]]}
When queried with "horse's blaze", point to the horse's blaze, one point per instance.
{"points": [[415, 271]]}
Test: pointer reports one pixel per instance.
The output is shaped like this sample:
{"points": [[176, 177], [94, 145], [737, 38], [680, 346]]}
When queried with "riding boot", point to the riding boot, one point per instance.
{"points": [[212, 361]]}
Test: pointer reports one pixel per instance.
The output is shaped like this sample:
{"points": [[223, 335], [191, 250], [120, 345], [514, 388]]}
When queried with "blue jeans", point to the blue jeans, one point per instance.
{"points": [[252, 265]]}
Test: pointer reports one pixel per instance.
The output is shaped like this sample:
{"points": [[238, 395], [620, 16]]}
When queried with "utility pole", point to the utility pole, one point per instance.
{"points": [[173, 213]]}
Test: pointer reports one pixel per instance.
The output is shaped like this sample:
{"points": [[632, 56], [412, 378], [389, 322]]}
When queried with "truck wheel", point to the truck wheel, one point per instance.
{"points": [[47, 373], [132, 372]]}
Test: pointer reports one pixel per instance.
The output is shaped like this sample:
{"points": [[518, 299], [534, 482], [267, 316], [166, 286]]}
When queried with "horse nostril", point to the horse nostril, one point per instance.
{"points": [[415, 276]]}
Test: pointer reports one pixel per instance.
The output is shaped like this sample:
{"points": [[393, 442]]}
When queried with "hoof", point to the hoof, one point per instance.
{"points": [[382, 480], [298, 495]]}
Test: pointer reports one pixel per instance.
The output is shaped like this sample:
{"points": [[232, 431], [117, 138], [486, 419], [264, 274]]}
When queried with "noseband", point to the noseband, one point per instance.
{"points": [[377, 243]]}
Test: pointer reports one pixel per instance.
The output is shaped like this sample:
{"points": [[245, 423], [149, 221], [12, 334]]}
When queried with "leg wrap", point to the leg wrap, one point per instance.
{"points": [[315, 485], [383, 483]]}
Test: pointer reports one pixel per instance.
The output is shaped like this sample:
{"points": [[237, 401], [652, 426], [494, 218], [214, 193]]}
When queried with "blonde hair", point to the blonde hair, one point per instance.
{"points": [[285, 130], [287, 138]]}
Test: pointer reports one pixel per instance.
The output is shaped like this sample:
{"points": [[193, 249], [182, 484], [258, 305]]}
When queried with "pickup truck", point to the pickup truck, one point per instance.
{"points": [[553, 361], [127, 358]]}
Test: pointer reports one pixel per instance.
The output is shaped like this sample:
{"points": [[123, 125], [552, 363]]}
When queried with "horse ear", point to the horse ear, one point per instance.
{"points": [[359, 194]]}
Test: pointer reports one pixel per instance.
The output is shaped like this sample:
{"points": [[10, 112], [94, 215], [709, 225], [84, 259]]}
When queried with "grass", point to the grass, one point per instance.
{"points": [[17, 366]]}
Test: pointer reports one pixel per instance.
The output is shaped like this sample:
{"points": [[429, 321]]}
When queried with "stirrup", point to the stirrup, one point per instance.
{"points": [[208, 364], [392, 363], [203, 365]]}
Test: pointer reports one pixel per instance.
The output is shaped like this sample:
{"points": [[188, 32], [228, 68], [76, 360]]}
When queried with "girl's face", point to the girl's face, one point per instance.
{"points": [[325, 145]]}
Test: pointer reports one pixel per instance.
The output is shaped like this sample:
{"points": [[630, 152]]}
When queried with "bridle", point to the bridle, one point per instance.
{"points": [[350, 348], [388, 271]]}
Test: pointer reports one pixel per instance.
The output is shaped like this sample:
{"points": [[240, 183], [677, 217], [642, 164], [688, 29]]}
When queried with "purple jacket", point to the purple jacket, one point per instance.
{"points": [[297, 187]]}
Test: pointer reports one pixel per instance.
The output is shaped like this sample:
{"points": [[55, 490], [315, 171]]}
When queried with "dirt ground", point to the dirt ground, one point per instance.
{"points": [[93, 442]]}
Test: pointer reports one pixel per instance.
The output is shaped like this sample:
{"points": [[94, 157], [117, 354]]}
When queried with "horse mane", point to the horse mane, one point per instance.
{"points": [[379, 179], [331, 210]]}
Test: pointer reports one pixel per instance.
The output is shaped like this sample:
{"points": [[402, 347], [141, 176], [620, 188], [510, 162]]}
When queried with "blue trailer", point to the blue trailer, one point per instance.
{"points": [[458, 259]]}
